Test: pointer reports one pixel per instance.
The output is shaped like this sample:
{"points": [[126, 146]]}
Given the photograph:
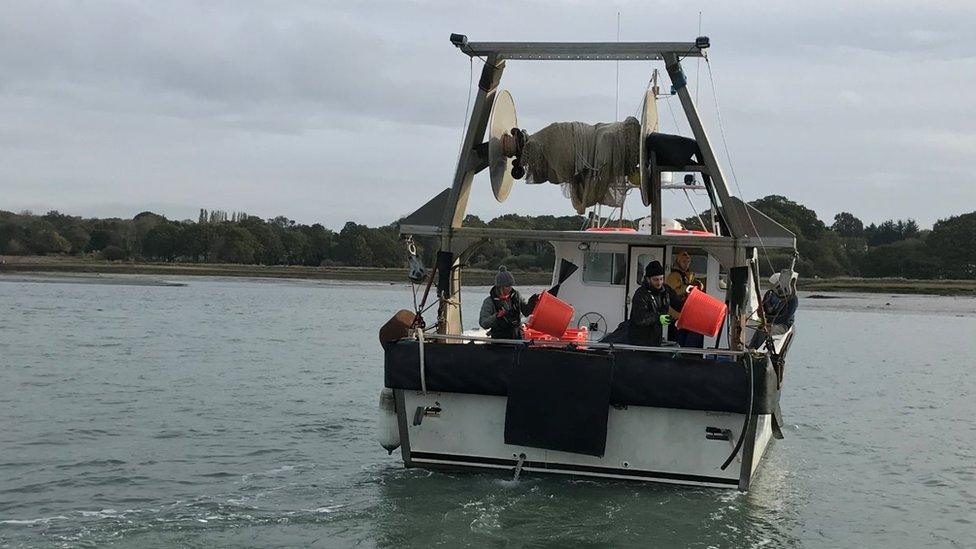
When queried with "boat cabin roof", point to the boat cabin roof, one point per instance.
{"points": [[426, 221]]}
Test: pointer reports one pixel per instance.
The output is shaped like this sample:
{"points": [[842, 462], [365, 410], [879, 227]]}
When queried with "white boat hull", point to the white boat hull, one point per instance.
{"points": [[454, 430]]}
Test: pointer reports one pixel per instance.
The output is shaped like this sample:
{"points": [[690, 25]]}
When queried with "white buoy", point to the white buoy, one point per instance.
{"points": [[389, 430]]}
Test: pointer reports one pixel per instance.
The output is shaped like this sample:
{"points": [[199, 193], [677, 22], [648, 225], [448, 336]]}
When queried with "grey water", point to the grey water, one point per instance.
{"points": [[241, 413]]}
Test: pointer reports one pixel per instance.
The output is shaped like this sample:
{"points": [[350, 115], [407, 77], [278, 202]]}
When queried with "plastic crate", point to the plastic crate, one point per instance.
{"points": [[571, 335]]}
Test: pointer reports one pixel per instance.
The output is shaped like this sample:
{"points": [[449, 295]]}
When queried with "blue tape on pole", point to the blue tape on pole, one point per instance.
{"points": [[678, 78]]}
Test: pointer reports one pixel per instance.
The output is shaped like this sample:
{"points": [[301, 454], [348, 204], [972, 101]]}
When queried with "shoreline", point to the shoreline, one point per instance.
{"points": [[21, 265]]}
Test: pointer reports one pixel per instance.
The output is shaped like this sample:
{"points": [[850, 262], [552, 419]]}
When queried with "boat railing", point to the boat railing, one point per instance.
{"points": [[591, 345]]}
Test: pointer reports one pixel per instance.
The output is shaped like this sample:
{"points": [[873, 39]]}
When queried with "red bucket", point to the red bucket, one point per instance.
{"points": [[702, 314], [551, 315]]}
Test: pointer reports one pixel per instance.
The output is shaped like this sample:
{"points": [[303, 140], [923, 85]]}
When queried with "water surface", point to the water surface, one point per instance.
{"points": [[229, 412]]}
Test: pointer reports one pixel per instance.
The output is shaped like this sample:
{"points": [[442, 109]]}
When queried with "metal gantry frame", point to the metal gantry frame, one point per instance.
{"points": [[472, 158]]}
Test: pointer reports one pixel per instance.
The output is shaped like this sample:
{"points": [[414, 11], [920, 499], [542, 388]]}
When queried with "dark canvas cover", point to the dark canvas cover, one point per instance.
{"points": [[559, 400], [639, 378]]}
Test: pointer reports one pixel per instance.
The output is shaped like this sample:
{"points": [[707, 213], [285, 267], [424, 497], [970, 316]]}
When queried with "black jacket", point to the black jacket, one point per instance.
{"points": [[647, 306]]}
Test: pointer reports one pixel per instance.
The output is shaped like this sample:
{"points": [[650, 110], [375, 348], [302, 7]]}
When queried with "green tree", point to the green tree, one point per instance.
{"points": [[296, 245], [77, 238], [12, 235], [351, 245], [847, 225], [908, 258], [197, 240], [113, 253], [319, 244], [953, 241], [360, 254], [100, 238], [42, 238], [141, 224], [162, 241], [816, 255], [269, 250], [234, 244], [890, 231]]}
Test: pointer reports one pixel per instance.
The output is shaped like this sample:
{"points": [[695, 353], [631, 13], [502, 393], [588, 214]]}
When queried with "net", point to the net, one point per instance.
{"points": [[591, 161]]}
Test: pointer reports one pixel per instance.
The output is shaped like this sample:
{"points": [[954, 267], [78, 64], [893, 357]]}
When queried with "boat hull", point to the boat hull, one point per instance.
{"points": [[442, 430]]}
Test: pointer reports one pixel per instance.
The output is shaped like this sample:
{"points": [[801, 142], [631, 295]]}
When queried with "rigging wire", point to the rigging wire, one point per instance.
{"points": [[673, 117], [728, 155], [698, 66], [616, 98], [694, 212], [467, 104]]}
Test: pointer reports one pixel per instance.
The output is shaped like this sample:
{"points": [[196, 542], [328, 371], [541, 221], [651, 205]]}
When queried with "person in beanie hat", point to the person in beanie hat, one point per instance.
{"points": [[649, 308], [503, 309], [504, 278]]}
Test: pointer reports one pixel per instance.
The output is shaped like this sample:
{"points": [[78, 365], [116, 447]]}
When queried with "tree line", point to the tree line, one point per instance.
{"points": [[847, 247]]}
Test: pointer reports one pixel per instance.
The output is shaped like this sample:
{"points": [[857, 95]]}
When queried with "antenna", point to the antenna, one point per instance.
{"points": [[616, 98]]}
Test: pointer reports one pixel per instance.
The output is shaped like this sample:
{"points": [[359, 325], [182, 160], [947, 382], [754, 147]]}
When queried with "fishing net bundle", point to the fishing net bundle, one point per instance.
{"points": [[591, 161]]}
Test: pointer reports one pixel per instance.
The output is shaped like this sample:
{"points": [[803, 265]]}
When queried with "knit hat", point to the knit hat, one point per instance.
{"points": [[654, 268], [504, 278]]}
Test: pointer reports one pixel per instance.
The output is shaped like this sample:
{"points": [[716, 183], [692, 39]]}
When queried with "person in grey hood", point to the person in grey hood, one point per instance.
{"points": [[503, 309]]}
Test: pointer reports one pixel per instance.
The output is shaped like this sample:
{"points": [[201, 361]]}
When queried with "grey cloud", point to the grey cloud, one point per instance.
{"points": [[305, 108]]}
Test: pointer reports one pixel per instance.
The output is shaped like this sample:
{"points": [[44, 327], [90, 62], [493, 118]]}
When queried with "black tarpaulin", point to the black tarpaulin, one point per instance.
{"points": [[559, 400], [639, 378]]}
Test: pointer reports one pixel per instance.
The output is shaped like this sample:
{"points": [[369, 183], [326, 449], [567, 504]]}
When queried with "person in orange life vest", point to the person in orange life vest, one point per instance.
{"points": [[680, 277]]}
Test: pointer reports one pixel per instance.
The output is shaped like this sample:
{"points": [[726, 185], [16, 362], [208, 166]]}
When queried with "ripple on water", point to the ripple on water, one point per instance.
{"points": [[211, 418]]}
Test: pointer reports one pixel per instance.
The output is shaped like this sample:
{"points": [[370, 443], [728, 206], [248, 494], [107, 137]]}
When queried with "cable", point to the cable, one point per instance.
{"points": [[673, 117], [728, 155], [467, 104], [745, 425], [694, 212]]}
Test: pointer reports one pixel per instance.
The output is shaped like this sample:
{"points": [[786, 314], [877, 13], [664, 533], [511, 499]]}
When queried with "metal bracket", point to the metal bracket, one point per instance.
{"points": [[426, 411], [714, 433]]}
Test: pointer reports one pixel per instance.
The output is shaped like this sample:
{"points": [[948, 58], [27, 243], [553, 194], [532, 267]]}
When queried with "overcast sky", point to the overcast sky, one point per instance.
{"points": [[333, 111]]}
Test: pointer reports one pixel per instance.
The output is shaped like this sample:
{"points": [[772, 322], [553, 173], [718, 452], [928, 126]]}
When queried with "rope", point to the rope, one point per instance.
{"points": [[728, 155], [414, 288], [423, 366]]}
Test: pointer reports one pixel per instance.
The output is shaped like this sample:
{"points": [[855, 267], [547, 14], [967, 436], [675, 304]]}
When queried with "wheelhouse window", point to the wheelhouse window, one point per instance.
{"points": [[642, 261], [604, 268]]}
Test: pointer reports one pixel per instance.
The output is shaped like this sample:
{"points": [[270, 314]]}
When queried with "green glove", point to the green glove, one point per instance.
{"points": [[664, 320]]}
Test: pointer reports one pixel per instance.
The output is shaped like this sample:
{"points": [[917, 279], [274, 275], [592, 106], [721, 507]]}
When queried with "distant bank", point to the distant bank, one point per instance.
{"points": [[26, 264], [36, 264]]}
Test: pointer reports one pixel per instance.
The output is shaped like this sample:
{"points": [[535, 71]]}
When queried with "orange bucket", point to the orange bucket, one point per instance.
{"points": [[702, 314], [551, 315]]}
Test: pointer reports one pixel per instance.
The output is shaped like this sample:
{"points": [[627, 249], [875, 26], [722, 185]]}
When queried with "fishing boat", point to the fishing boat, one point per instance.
{"points": [[455, 398]]}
